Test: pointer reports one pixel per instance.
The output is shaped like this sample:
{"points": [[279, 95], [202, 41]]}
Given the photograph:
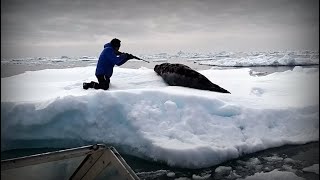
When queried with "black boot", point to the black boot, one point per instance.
{"points": [[92, 84], [86, 85]]}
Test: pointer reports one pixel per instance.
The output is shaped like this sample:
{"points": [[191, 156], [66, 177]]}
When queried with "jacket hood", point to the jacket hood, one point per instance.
{"points": [[107, 45]]}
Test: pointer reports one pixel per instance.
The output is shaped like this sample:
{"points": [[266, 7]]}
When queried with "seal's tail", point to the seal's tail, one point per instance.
{"points": [[217, 88]]}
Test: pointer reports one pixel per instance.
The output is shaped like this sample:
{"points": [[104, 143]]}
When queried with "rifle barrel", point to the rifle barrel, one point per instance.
{"points": [[141, 59]]}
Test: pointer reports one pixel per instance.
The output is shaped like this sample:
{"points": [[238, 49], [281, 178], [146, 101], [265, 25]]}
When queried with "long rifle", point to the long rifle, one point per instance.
{"points": [[135, 57]]}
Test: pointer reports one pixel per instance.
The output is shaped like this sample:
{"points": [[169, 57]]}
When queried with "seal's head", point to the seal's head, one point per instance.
{"points": [[157, 69]]}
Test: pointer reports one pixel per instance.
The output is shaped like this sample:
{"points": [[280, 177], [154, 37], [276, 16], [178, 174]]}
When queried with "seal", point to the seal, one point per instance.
{"points": [[182, 75]]}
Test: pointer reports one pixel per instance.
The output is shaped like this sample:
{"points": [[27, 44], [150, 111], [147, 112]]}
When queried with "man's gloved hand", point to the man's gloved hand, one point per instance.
{"points": [[130, 56]]}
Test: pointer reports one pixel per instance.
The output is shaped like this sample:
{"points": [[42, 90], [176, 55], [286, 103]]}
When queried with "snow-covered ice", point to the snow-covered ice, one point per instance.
{"points": [[314, 168], [275, 175], [180, 126]]}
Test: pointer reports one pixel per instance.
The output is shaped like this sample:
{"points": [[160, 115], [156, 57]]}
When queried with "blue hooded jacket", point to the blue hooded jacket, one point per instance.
{"points": [[108, 59]]}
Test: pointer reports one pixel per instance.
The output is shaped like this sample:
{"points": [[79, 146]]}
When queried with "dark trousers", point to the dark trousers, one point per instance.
{"points": [[103, 82]]}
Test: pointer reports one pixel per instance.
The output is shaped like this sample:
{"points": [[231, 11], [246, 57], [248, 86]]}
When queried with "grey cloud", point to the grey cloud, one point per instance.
{"points": [[36, 21]]}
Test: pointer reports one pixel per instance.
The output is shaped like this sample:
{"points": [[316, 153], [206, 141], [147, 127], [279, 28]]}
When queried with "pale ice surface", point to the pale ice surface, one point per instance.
{"points": [[314, 168], [199, 177], [274, 175], [223, 170], [263, 60], [179, 126]]}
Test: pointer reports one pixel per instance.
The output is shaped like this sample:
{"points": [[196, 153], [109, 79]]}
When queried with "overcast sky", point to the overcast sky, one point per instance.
{"points": [[32, 28]]}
